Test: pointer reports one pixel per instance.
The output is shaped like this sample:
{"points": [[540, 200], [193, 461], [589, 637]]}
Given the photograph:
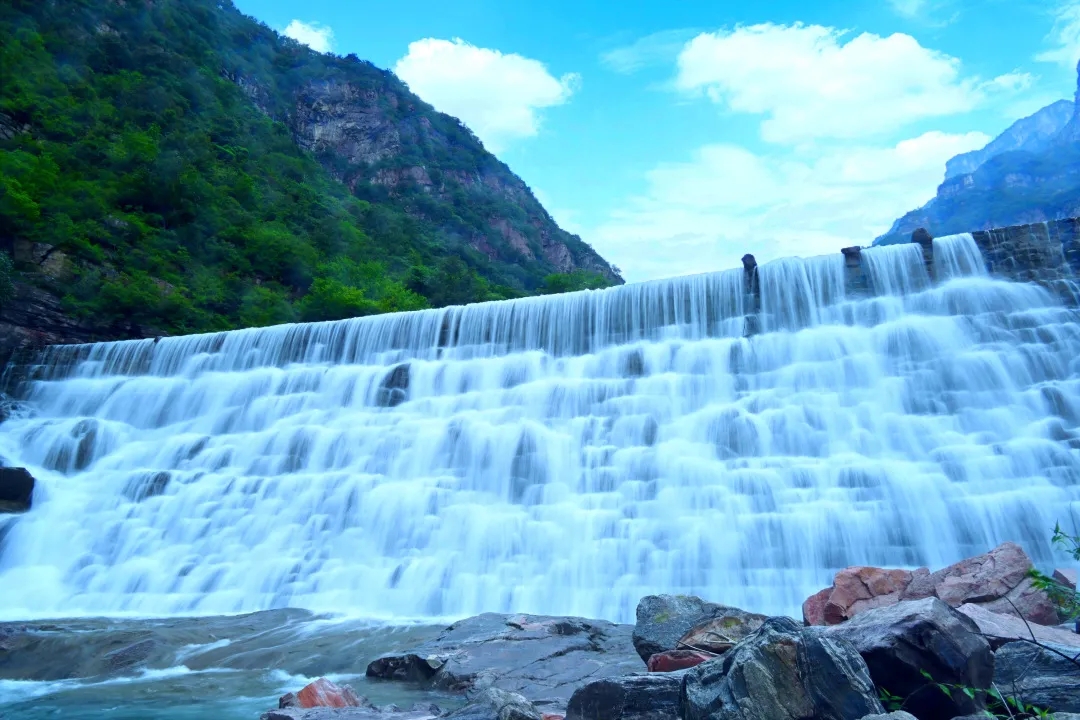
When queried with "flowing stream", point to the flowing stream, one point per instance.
{"points": [[562, 455]]}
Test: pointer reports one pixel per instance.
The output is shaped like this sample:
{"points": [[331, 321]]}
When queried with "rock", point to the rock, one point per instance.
{"points": [[634, 697], [673, 660], [394, 389], [367, 711], [16, 489], [922, 237], [492, 703], [288, 700], [1066, 577], [1044, 677], [545, 659], [997, 580], [664, 620], [999, 629], [900, 642], [781, 672], [901, 715], [854, 590], [720, 634], [323, 693]]}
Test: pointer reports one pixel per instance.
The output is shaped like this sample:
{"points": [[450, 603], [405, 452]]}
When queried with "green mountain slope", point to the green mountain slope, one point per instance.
{"points": [[173, 165]]}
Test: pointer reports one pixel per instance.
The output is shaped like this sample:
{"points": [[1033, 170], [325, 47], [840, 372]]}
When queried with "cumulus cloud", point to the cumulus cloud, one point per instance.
{"points": [[812, 82], [704, 214], [319, 38], [498, 95], [1064, 39]]}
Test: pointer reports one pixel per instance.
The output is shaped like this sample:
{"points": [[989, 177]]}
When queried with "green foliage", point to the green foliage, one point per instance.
{"points": [[127, 142], [1065, 598], [573, 281], [998, 705]]}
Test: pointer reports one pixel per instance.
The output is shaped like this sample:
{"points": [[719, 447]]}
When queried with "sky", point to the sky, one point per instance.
{"points": [[676, 137]]}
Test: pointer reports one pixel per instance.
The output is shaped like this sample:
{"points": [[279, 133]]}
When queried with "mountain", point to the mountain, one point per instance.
{"points": [[1029, 173], [175, 166], [1032, 134]]}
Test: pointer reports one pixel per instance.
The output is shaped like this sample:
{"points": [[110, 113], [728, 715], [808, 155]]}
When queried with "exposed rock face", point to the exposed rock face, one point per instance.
{"points": [[781, 672], [545, 659], [1041, 677], [35, 318], [1066, 577], [16, 489], [999, 628], [901, 642], [1031, 134], [635, 697], [664, 620], [370, 131], [997, 580]]}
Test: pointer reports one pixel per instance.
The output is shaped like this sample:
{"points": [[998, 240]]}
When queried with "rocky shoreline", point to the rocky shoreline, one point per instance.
{"points": [[970, 640]]}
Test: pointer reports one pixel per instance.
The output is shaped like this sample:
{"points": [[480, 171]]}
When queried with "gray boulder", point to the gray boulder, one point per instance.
{"points": [[783, 671], [900, 642], [900, 715], [662, 620], [545, 659], [634, 697], [16, 489], [367, 711], [1044, 677]]}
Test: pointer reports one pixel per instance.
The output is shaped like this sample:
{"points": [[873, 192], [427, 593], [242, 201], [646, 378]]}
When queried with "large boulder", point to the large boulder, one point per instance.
{"points": [[902, 642], [634, 697], [997, 580], [1046, 677], [999, 629], [664, 620], [545, 659], [16, 489], [781, 672]]}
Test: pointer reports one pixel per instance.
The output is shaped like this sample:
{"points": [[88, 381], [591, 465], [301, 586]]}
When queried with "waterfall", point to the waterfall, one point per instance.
{"points": [[563, 454]]}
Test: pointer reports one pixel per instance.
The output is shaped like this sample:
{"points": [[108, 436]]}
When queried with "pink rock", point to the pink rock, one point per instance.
{"points": [[552, 716], [997, 579], [673, 660], [323, 693], [813, 608], [1066, 577], [1000, 629]]}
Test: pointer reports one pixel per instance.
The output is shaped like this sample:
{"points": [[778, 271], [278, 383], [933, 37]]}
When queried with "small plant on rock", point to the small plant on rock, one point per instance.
{"points": [[1065, 598]]}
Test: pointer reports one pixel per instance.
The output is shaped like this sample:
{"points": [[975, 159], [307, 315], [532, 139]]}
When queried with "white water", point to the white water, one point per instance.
{"points": [[564, 454]]}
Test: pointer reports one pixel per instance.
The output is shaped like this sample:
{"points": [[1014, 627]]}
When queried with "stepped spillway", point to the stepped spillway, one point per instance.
{"points": [[735, 436]]}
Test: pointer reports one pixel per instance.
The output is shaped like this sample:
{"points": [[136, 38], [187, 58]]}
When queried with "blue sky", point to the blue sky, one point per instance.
{"points": [[675, 137]]}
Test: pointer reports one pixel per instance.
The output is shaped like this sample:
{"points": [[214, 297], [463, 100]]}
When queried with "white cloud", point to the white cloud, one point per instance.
{"points": [[909, 8], [319, 38], [1064, 39], [810, 83], [660, 47], [498, 95], [705, 214]]}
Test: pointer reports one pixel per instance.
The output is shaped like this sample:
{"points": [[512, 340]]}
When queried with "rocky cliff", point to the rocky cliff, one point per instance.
{"points": [[1029, 174]]}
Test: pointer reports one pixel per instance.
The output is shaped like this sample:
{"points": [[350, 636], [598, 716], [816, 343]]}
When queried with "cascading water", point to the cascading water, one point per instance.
{"points": [[564, 454]]}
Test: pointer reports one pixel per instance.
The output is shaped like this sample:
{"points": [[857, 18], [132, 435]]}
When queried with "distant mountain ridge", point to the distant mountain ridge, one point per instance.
{"points": [[1032, 134], [1028, 174]]}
